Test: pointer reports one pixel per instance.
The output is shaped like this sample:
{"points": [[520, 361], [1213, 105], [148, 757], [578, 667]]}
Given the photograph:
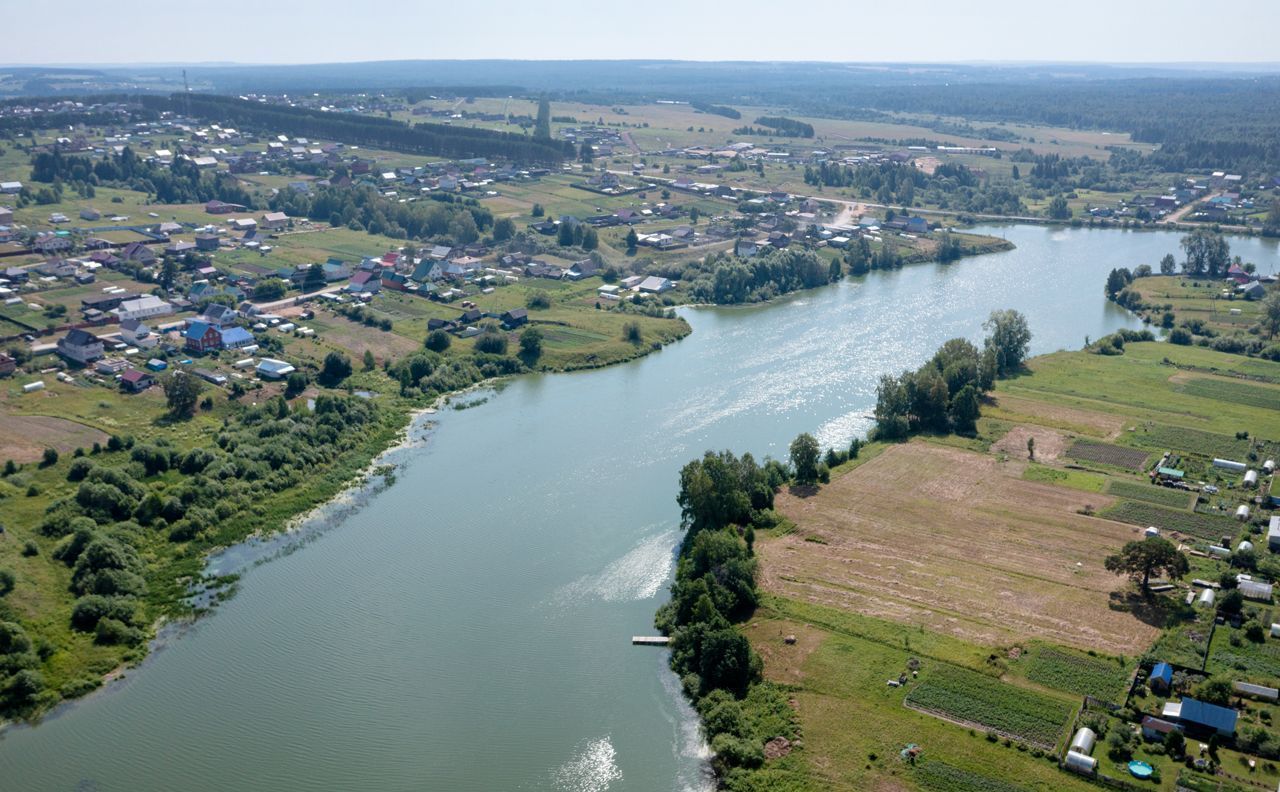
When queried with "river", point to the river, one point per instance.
{"points": [[468, 628]]}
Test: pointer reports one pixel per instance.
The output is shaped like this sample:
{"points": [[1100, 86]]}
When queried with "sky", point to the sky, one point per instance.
{"points": [[327, 31]]}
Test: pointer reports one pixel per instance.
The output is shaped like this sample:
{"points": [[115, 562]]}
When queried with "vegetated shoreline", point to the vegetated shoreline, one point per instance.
{"points": [[372, 472], [367, 480]]}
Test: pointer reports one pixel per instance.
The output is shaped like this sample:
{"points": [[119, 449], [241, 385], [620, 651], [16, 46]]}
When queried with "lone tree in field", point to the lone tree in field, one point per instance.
{"points": [[337, 367], [804, 458], [1008, 339], [1151, 556], [182, 392]]}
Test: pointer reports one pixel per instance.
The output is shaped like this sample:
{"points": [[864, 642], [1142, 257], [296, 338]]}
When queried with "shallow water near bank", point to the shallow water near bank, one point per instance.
{"points": [[469, 627]]}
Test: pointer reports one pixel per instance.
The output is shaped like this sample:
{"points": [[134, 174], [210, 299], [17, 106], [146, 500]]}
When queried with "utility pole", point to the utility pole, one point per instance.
{"points": [[186, 95]]}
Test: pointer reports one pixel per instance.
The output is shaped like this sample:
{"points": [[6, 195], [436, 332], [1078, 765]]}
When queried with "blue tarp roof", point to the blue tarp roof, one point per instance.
{"points": [[1211, 715], [1162, 671]]}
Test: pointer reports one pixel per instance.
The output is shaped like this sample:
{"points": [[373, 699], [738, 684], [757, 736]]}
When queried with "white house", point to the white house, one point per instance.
{"points": [[144, 307], [11, 188], [655, 285], [82, 347], [135, 333], [274, 369]]}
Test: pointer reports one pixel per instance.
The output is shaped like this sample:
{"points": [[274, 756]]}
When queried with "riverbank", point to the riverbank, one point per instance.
{"points": [[990, 638]]}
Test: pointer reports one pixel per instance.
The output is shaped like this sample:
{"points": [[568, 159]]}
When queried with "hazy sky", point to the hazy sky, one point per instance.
{"points": [[315, 31]]}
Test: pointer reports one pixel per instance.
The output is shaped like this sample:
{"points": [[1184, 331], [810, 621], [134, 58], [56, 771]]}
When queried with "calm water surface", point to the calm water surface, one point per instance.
{"points": [[468, 628]]}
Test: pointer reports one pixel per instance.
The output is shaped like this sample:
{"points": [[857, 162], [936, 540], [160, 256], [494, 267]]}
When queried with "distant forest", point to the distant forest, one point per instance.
{"points": [[431, 139], [1201, 118]]}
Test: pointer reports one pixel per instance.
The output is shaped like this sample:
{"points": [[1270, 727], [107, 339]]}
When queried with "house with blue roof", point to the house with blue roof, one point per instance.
{"points": [[237, 338], [1201, 716], [1161, 678]]}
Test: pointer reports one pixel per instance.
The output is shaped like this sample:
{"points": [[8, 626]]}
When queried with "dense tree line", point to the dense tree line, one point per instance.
{"points": [[178, 182], [442, 216], [428, 373], [943, 395], [1199, 124], [723, 500], [714, 109], [725, 279], [951, 186], [431, 139], [777, 126]]}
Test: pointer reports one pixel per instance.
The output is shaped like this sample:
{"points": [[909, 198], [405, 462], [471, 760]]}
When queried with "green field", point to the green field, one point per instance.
{"points": [[1234, 391], [1076, 673], [1132, 490], [1207, 527], [975, 698]]}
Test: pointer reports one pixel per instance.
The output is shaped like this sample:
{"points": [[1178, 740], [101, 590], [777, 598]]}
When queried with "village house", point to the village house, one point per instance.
{"points": [[238, 338], [135, 333], [582, 269], [272, 369], [219, 314], [81, 347], [10, 187], [138, 253], [7, 365], [655, 285], [143, 307], [6, 215], [201, 337], [515, 318], [1201, 717], [134, 381], [274, 221]]}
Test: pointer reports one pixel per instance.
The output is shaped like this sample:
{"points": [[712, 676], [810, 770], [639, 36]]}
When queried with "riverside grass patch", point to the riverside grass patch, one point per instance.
{"points": [[1234, 392], [971, 697], [1076, 673]]}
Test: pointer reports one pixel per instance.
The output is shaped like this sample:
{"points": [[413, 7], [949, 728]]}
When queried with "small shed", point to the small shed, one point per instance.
{"points": [[1151, 531], [1161, 678], [1084, 740]]}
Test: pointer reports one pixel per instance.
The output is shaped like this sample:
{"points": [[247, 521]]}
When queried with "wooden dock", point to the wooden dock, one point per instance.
{"points": [[650, 640]]}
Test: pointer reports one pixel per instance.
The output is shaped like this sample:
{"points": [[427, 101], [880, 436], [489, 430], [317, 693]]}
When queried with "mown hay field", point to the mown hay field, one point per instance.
{"points": [[957, 542]]}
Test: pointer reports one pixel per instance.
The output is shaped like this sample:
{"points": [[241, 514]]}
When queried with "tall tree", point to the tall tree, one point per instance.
{"points": [[542, 126], [181, 392], [1009, 337], [804, 458], [1151, 556]]}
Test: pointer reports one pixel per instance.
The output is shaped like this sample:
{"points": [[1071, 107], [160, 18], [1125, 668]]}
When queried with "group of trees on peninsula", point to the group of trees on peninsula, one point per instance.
{"points": [[943, 395]]}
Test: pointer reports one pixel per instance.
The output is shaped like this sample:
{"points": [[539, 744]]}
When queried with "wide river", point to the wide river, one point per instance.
{"points": [[469, 627]]}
